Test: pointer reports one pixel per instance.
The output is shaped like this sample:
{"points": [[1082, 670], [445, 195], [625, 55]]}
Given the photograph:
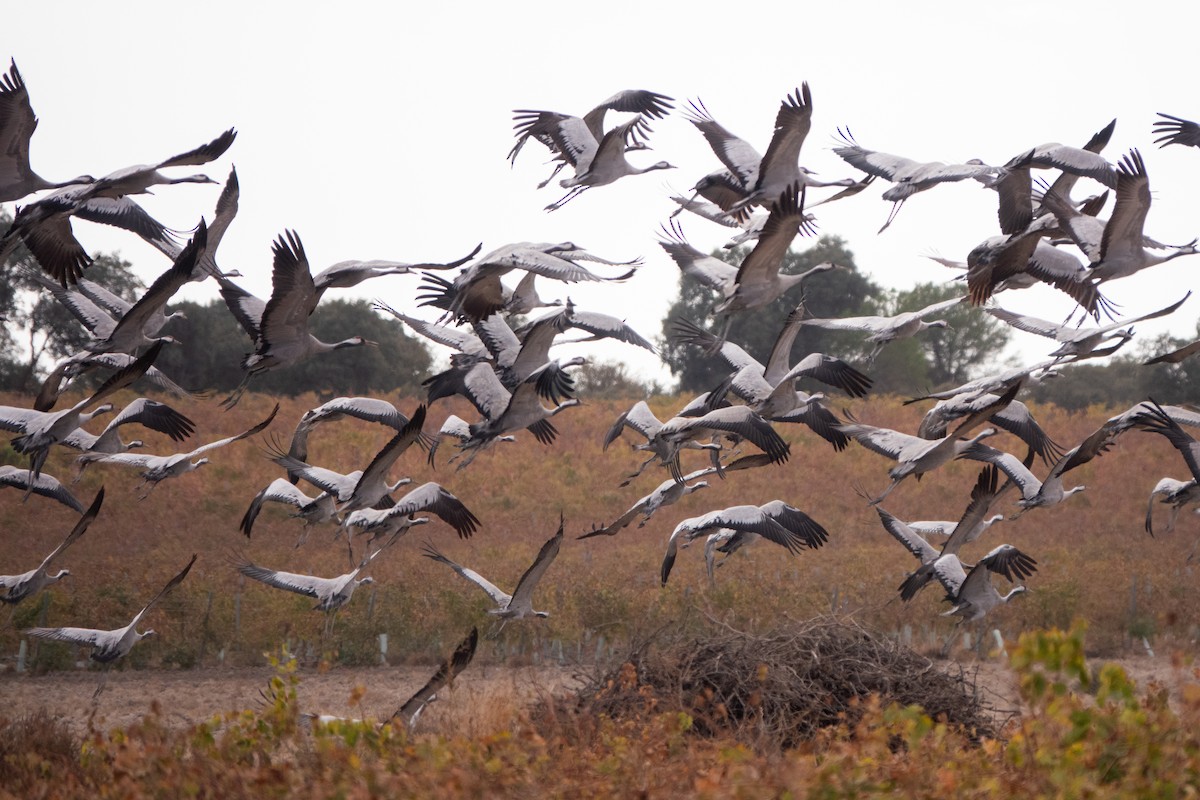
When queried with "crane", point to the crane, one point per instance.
{"points": [[431, 497], [155, 469], [17, 124], [775, 521], [108, 646], [519, 604], [15, 588], [280, 326]]}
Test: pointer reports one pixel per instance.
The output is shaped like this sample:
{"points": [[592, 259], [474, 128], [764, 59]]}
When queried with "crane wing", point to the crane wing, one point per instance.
{"points": [[446, 673]]}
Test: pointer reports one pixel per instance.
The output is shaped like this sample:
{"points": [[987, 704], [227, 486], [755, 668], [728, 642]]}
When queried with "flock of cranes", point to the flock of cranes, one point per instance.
{"points": [[505, 369]]}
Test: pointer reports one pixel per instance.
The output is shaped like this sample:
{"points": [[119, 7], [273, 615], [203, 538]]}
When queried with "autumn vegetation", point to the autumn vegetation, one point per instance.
{"points": [[1096, 566], [1084, 732]]}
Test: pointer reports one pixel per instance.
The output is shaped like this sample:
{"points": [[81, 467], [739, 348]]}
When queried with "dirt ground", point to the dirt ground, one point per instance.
{"points": [[484, 700]]}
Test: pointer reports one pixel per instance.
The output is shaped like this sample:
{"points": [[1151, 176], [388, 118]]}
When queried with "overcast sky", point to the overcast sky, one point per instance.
{"points": [[383, 133]]}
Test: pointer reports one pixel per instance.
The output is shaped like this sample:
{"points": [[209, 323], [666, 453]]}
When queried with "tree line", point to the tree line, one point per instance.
{"points": [[937, 358], [38, 331]]}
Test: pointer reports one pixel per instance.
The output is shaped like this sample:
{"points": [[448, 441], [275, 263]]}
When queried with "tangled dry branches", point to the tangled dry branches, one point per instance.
{"points": [[784, 686]]}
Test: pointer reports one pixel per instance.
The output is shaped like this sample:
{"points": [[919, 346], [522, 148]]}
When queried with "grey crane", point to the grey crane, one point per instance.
{"points": [[477, 292], [455, 427], [524, 297], [666, 493], [546, 126], [17, 124], [1076, 342], [775, 521], [365, 489], [1015, 418], [411, 710], [740, 421], [1062, 185], [1001, 381], [368, 409], [1156, 419], [150, 413], [41, 430], [728, 541], [519, 604], [970, 526], [504, 411], [81, 363], [346, 274], [95, 307], [431, 497], [518, 355], [280, 326], [1176, 495], [139, 178], [972, 593], [770, 390], [330, 593], [15, 588], [884, 330], [1176, 130], [1122, 251], [43, 484], [780, 169], [44, 226], [757, 281], [598, 163], [907, 176], [108, 646], [313, 510], [642, 420], [755, 382], [139, 326], [155, 469], [916, 456], [1014, 184], [459, 340], [1050, 491], [1175, 356], [749, 178], [1025, 259], [750, 226]]}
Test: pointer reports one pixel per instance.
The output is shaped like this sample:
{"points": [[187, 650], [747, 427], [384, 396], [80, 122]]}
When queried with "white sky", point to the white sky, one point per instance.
{"points": [[383, 133]]}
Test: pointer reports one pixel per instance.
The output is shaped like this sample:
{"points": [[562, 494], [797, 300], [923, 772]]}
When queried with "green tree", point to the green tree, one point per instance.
{"points": [[37, 328], [835, 293], [63, 334], [971, 339], [213, 347], [611, 380], [1125, 380]]}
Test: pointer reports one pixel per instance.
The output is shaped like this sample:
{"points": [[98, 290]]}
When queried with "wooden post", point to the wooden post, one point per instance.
{"points": [[204, 628]]}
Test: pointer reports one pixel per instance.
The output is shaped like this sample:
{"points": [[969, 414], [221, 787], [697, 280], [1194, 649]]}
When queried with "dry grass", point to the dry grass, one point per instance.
{"points": [[33, 749], [1095, 561]]}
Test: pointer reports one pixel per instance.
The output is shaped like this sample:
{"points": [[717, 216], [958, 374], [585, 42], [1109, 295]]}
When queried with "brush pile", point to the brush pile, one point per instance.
{"points": [[784, 686]]}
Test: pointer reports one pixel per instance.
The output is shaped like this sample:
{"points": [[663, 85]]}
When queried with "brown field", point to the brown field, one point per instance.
{"points": [[153, 731], [483, 701], [1096, 563]]}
